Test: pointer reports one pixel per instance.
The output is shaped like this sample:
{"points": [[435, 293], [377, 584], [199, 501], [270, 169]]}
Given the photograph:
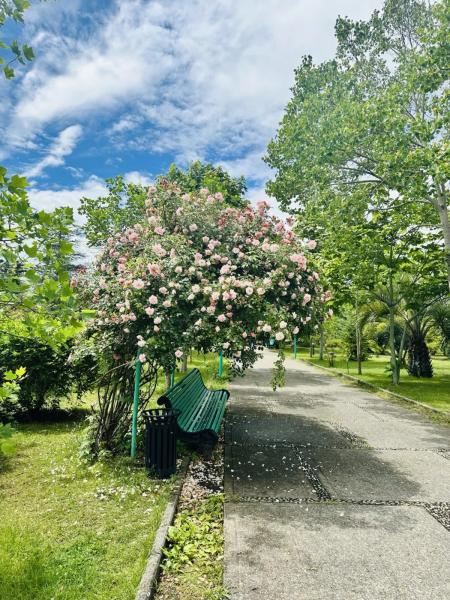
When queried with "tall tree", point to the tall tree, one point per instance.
{"points": [[374, 118]]}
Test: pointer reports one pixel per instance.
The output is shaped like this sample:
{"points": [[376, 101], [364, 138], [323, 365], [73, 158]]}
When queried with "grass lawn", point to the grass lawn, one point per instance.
{"points": [[72, 531], [434, 391]]}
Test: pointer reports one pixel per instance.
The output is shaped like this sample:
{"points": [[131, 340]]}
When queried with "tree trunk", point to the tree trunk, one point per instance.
{"points": [[167, 377], [184, 362], [442, 208], [394, 365], [419, 360], [322, 341], [358, 348]]}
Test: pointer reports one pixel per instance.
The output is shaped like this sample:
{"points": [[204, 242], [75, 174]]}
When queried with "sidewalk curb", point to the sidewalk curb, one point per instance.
{"points": [[147, 585], [375, 388]]}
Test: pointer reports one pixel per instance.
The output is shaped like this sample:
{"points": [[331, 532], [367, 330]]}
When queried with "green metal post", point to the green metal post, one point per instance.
{"points": [[220, 371], [137, 381], [295, 346]]}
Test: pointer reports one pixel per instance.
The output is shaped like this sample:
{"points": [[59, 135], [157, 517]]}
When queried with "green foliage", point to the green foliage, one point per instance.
{"points": [[34, 282], [205, 175], [9, 393], [14, 10], [367, 132], [47, 375], [195, 549], [123, 206], [279, 371]]}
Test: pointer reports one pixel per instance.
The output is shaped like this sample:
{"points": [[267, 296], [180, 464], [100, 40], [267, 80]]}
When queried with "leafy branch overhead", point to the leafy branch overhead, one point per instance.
{"points": [[13, 52], [372, 123]]}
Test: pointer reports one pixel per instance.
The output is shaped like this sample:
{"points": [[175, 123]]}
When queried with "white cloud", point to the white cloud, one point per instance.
{"points": [[137, 177], [201, 79], [62, 147], [49, 199]]}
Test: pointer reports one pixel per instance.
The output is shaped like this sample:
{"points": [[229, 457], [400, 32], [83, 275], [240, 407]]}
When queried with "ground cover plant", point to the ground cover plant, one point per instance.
{"points": [[193, 558]]}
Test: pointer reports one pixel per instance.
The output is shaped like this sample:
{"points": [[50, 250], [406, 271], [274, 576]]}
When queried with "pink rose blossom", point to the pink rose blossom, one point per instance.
{"points": [[150, 311], [221, 318], [178, 353], [279, 336], [142, 358], [138, 284], [311, 244], [153, 300], [306, 299], [154, 269], [160, 230], [159, 250], [193, 227]]}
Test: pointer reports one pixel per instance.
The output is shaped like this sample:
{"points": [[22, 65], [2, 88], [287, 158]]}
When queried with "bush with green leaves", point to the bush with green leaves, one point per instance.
{"points": [[46, 376]]}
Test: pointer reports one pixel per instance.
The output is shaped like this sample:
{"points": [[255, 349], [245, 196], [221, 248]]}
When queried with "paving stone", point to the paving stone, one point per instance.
{"points": [[334, 552], [267, 428], [389, 475], [264, 472]]}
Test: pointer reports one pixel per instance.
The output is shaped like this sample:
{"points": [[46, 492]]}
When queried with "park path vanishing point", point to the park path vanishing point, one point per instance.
{"points": [[332, 493]]}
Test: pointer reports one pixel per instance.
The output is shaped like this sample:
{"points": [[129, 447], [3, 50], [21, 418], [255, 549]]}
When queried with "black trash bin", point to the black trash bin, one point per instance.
{"points": [[161, 441]]}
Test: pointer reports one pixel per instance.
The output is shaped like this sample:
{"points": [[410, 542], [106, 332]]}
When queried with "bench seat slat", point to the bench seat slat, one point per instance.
{"points": [[201, 410]]}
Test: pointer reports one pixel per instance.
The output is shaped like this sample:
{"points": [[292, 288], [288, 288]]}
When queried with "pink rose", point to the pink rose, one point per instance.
{"points": [[178, 353], [150, 311], [153, 300], [311, 244], [193, 227], [306, 299], [142, 358], [159, 230], [222, 318], [154, 269], [138, 284]]}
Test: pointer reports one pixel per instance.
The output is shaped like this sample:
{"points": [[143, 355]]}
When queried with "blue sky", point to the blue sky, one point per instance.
{"points": [[131, 86]]}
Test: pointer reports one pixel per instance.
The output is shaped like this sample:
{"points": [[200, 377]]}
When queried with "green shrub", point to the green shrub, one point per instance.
{"points": [[49, 376]]}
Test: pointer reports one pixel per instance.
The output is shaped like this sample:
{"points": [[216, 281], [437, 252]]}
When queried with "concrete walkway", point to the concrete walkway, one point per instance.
{"points": [[332, 493]]}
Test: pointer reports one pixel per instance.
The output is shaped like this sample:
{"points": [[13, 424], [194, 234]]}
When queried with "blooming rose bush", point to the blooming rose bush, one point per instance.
{"points": [[198, 274]]}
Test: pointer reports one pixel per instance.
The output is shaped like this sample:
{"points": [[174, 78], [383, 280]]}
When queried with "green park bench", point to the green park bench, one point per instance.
{"points": [[200, 411]]}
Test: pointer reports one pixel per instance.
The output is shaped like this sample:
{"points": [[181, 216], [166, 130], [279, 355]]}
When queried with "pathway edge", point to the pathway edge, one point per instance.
{"points": [[147, 585], [371, 386]]}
